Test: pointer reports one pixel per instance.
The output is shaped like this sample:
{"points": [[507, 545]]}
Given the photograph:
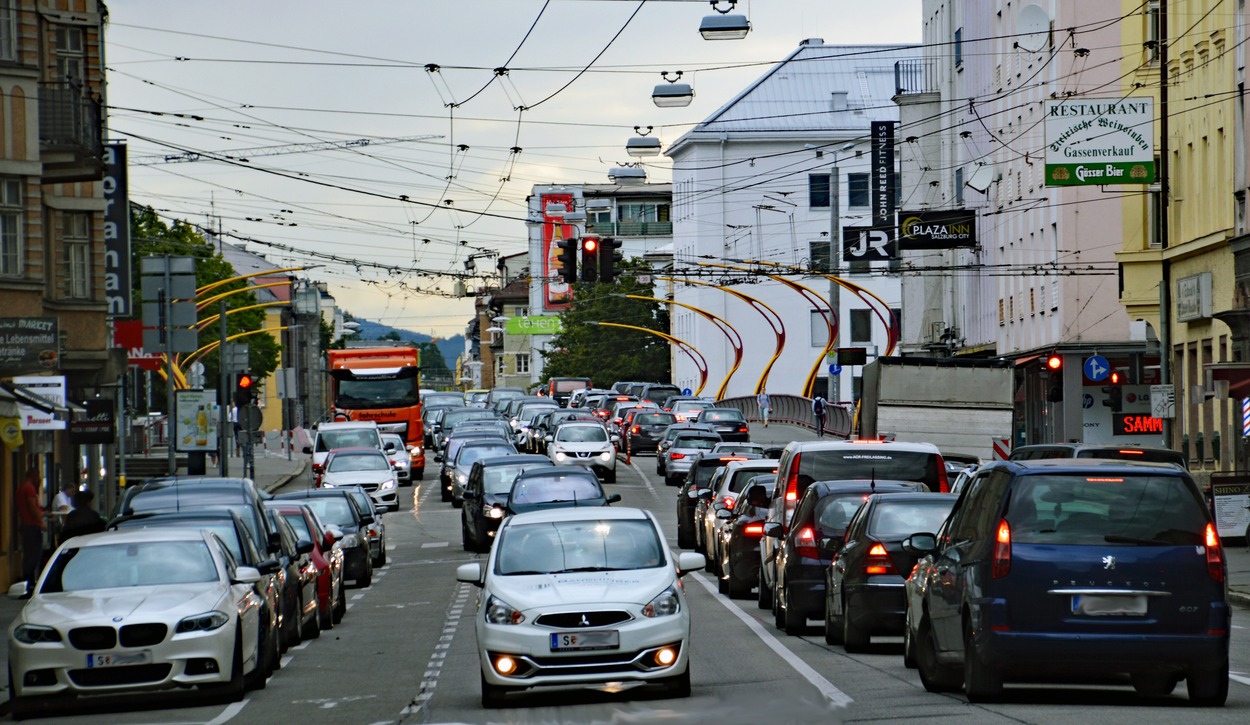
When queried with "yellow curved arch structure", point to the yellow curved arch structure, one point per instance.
{"points": [[735, 339], [779, 327], [700, 362]]}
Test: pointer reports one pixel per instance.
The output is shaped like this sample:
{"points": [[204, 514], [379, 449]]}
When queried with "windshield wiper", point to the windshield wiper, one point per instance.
{"points": [[587, 568], [1115, 539], [528, 571]]}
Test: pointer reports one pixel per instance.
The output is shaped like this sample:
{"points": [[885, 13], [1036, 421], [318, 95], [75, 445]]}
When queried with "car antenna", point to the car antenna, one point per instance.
{"points": [[873, 483]]}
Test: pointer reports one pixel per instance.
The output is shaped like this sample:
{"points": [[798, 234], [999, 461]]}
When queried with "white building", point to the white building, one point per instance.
{"points": [[751, 183]]}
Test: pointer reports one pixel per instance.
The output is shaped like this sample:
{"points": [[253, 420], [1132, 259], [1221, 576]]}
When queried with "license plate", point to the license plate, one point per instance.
{"points": [[117, 659], [597, 639], [1121, 605]]}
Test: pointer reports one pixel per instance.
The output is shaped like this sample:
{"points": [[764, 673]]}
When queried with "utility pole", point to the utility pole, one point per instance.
{"points": [[223, 382], [1165, 265]]}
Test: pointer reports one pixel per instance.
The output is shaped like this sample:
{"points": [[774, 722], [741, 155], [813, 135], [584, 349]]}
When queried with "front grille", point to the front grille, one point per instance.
{"points": [[143, 635], [573, 620], [369, 487], [127, 675], [93, 638]]}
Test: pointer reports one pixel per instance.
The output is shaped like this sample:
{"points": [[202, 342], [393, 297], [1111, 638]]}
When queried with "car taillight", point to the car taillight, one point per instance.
{"points": [[878, 561], [636, 429], [792, 480], [728, 501], [675, 456], [756, 529], [1215, 554], [1001, 566], [805, 543], [680, 418], [742, 428], [316, 468], [944, 484]]}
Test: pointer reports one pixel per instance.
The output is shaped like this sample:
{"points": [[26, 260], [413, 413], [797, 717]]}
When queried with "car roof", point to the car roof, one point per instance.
{"points": [[140, 535], [511, 460], [347, 424], [915, 496], [197, 514], [574, 513], [806, 446], [1088, 465]]}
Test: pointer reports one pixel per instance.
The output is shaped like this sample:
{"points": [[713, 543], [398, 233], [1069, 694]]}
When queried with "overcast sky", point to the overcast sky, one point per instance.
{"points": [[254, 79]]}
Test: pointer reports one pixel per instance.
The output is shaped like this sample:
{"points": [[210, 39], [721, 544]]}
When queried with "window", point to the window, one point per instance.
{"points": [[499, 367], [8, 30], [642, 212], [959, 186], [1152, 30], [861, 327], [959, 47], [520, 312], [69, 55], [76, 237], [10, 227], [818, 191], [819, 329], [599, 216], [819, 257], [523, 362], [858, 189]]}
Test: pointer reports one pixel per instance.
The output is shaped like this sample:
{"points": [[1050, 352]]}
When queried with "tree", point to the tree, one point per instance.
{"points": [[608, 354], [434, 370]]}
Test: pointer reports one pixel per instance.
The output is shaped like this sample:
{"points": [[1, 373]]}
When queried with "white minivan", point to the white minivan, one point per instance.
{"points": [[348, 434]]}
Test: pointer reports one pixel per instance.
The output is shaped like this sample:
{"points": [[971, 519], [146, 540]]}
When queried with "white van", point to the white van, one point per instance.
{"points": [[349, 434]]}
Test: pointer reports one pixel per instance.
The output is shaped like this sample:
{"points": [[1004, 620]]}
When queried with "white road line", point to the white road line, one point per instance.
{"points": [[286, 660], [357, 596], [435, 544], [228, 714], [429, 680], [643, 476], [827, 688], [1239, 678]]}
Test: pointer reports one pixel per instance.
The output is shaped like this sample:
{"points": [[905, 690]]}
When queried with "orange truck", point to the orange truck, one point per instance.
{"points": [[381, 384]]}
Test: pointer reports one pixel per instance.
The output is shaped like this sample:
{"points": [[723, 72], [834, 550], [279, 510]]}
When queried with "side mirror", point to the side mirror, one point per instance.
{"points": [[724, 513], [438, 457], [705, 493], [308, 450], [616, 438], [304, 547], [367, 519], [830, 544], [614, 498], [468, 493], [774, 530], [470, 573], [269, 566], [246, 575], [549, 438], [389, 446], [692, 494], [689, 561], [275, 541], [923, 543]]}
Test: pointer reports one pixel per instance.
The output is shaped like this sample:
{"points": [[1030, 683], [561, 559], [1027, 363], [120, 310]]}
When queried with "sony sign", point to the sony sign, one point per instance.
{"points": [[116, 231]]}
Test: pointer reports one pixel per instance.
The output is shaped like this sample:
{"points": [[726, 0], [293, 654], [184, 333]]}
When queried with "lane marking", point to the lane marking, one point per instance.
{"points": [[435, 544], [1239, 678], [827, 688], [429, 679], [357, 596], [643, 476], [229, 713]]}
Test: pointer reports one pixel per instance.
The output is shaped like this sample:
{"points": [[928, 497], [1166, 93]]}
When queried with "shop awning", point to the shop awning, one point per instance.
{"points": [[1236, 374], [35, 400]]}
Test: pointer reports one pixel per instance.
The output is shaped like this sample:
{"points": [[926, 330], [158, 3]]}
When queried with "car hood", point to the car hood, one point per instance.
{"points": [[351, 478], [595, 447], [545, 591], [153, 603]]}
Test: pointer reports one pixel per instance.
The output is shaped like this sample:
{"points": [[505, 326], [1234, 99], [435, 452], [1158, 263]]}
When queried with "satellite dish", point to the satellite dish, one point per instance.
{"points": [[1032, 28], [981, 178]]}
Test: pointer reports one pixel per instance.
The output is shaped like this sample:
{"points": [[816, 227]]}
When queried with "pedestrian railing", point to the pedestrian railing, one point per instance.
{"points": [[793, 409]]}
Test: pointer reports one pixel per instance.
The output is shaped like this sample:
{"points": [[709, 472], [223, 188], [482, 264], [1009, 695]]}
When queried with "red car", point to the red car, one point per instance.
{"points": [[326, 555]]}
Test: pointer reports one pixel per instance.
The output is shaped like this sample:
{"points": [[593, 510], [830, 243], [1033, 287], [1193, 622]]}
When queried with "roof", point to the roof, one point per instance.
{"points": [[577, 514], [129, 536], [800, 94], [806, 446]]}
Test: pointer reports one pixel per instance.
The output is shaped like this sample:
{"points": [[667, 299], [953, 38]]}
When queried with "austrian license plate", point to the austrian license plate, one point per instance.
{"points": [[1109, 605], [117, 659], [597, 639]]}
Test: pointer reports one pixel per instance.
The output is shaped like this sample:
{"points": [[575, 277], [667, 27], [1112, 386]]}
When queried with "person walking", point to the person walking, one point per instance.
{"points": [[84, 519], [819, 409], [31, 524], [765, 404], [233, 417]]}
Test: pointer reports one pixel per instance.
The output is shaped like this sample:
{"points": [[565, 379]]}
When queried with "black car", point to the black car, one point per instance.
{"points": [[646, 430], [447, 457], [486, 496], [299, 603], [189, 493], [740, 537], [1141, 454], [466, 455], [702, 468], [557, 487], [338, 508], [805, 550], [864, 585], [658, 393], [728, 422]]}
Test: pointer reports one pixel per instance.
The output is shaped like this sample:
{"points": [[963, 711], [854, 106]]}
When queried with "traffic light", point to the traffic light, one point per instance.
{"points": [[567, 259], [1054, 364], [1115, 393], [590, 259], [243, 392], [609, 258]]}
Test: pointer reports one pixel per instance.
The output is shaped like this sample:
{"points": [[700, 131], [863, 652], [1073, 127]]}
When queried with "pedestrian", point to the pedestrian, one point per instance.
{"points": [[234, 423], [765, 404], [819, 408], [63, 502], [31, 524], [84, 519]]}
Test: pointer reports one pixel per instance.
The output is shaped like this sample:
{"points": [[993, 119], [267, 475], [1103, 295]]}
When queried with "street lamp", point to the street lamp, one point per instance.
{"points": [[723, 25], [642, 144], [670, 93]]}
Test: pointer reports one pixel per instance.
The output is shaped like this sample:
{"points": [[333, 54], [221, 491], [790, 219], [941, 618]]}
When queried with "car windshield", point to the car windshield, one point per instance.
{"points": [[332, 510], [569, 546], [469, 454], [223, 528], [869, 462], [452, 418], [345, 462], [530, 412], [1105, 509], [357, 438], [138, 564], [555, 489], [896, 520], [834, 512], [696, 442], [443, 399], [581, 434], [498, 479]]}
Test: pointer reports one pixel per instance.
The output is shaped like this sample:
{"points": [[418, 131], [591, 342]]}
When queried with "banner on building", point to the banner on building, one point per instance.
{"points": [[116, 231], [28, 344], [1092, 141], [533, 325], [883, 178], [50, 388], [557, 294], [868, 244], [96, 428], [937, 229]]}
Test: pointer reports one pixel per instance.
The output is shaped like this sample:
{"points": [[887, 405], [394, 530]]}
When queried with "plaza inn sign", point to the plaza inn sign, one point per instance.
{"points": [[1092, 142]]}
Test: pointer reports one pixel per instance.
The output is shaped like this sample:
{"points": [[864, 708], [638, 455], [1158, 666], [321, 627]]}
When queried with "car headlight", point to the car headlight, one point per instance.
{"points": [[35, 634], [605, 456], [387, 484], [560, 455], [492, 512], [462, 477], [206, 622], [351, 541], [665, 604], [500, 612]]}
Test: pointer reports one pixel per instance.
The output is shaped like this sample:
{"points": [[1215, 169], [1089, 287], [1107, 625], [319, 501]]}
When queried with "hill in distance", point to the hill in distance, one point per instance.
{"points": [[450, 347]]}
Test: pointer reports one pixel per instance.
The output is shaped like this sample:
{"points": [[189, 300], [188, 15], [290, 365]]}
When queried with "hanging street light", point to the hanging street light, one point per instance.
{"points": [[642, 144], [670, 93], [723, 25]]}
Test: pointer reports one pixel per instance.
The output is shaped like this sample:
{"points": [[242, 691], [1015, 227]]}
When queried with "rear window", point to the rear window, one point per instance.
{"points": [[655, 418], [698, 442], [866, 462], [581, 434], [1102, 509], [568, 386], [834, 512], [720, 415], [893, 520], [357, 438], [1135, 454]]}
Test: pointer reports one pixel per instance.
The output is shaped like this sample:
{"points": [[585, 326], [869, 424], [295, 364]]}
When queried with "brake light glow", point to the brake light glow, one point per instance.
{"points": [[728, 501], [1131, 452], [675, 456], [742, 428], [944, 482], [733, 458], [756, 529], [680, 418], [868, 440], [805, 543], [1104, 480], [1001, 565], [1215, 554], [878, 561], [635, 429], [792, 480]]}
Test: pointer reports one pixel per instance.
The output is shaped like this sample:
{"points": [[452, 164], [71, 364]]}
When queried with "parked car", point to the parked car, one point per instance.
{"points": [[376, 529], [728, 422], [367, 468], [347, 434], [553, 572], [400, 457], [337, 508], [486, 496], [682, 451], [299, 602], [740, 533], [171, 606], [587, 445], [864, 585], [702, 469], [1080, 568], [805, 549], [326, 556], [181, 493], [552, 487], [644, 431], [471, 451], [725, 487]]}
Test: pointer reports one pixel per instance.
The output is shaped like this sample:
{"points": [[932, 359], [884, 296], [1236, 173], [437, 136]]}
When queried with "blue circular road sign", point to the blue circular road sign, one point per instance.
{"points": [[685, 391], [835, 369], [1097, 368]]}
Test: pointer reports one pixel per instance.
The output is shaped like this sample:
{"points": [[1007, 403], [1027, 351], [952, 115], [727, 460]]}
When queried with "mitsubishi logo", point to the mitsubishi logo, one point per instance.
{"points": [[1108, 562], [585, 622]]}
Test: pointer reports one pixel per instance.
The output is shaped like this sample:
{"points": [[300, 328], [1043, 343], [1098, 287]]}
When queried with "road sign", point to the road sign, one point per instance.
{"points": [[685, 391], [835, 369], [1097, 368], [1002, 448], [251, 418], [1162, 401]]}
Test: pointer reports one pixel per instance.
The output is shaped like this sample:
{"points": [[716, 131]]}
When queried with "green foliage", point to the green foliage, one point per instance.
{"points": [[434, 370], [608, 354]]}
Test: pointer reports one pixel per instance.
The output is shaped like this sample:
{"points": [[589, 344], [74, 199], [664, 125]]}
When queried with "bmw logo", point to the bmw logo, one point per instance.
{"points": [[117, 619]]}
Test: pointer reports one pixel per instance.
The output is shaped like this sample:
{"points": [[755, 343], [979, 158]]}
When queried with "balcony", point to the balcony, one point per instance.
{"points": [[631, 229], [914, 77], [69, 134]]}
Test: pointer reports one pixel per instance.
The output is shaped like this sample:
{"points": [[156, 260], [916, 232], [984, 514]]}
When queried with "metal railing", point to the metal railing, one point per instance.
{"points": [[68, 118], [795, 410], [914, 76], [631, 229]]}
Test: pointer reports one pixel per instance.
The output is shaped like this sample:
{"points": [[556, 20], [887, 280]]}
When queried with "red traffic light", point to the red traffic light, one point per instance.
{"points": [[590, 245], [1114, 378], [1054, 362], [245, 381]]}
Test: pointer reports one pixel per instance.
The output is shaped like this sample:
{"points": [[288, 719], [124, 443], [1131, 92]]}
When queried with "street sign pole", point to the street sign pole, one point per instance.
{"points": [[223, 377]]}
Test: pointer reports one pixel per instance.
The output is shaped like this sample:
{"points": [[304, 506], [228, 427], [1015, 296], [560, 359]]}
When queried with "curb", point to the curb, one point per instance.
{"points": [[1240, 599], [284, 480]]}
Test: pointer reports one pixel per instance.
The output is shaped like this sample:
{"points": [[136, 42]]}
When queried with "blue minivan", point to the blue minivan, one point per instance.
{"points": [[1074, 568]]}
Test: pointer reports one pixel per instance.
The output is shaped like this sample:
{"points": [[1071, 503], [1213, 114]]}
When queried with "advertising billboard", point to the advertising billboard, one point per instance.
{"points": [[557, 294], [1092, 141]]}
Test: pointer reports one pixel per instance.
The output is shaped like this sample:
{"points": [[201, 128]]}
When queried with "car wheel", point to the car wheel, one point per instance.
{"points": [[275, 657], [457, 502], [833, 628], [367, 579], [233, 690], [678, 686], [854, 638], [1155, 684], [465, 542], [492, 695], [722, 585], [909, 648], [341, 607], [610, 476], [794, 620], [982, 683], [1208, 686], [256, 679], [312, 630], [326, 619], [764, 599], [380, 562], [935, 676]]}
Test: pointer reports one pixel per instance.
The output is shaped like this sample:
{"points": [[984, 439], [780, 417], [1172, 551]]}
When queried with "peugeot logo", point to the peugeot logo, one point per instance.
{"points": [[1108, 562], [585, 622]]}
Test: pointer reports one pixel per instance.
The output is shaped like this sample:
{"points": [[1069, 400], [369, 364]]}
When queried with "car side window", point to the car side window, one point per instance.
{"points": [[804, 510], [986, 513], [962, 526]]}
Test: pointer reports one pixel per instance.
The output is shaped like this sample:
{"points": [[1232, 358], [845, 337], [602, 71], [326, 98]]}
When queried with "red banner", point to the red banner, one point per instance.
{"points": [[557, 294]]}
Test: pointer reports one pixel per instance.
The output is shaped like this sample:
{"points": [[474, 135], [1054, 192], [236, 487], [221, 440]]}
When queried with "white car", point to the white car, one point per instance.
{"points": [[400, 455], [368, 468], [576, 598], [584, 444], [135, 610]]}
